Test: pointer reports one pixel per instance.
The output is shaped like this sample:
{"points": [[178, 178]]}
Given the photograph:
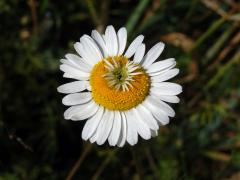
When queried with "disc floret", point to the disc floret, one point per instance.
{"points": [[119, 84], [120, 72]]}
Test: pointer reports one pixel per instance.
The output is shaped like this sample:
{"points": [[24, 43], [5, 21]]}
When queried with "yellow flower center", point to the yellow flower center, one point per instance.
{"points": [[116, 85]]}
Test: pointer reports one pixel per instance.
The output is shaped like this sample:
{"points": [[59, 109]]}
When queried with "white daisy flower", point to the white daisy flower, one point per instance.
{"points": [[120, 97]]}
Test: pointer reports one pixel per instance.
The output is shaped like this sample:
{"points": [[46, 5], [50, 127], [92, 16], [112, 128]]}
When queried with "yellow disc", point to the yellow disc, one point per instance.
{"points": [[112, 99]]}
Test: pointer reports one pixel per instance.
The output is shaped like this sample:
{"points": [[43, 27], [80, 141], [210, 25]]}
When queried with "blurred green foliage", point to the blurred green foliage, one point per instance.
{"points": [[201, 142]]}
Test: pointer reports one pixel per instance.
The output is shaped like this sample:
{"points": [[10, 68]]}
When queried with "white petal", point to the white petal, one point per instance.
{"points": [[76, 98], [105, 127], [88, 52], [116, 129], [165, 76], [75, 109], [154, 133], [78, 62], [92, 124], [169, 98], [91, 47], [85, 54], [153, 54], [139, 54], [122, 40], [161, 105], [123, 133], [158, 112], [66, 61], [88, 86], [147, 117], [134, 46], [74, 72], [132, 136], [85, 113], [72, 87], [166, 108], [161, 65], [166, 88], [142, 128], [101, 43], [94, 136], [66, 75], [111, 41], [156, 73]]}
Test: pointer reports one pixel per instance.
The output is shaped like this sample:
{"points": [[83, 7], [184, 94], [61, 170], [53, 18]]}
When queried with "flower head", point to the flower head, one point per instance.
{"points": [[120, 97]]}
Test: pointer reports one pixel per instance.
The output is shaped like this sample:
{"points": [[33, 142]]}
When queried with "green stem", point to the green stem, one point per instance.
{"points": [[210, 30], [223, 70], [216, 47], [132, 21], [92, 12]]}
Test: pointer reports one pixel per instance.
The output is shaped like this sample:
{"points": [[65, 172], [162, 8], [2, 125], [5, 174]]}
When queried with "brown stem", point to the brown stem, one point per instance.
{"points": [[32, 6], [104, 16], [233, 42], [137, 164], [77, 165], [151, 162], [104, 164]]}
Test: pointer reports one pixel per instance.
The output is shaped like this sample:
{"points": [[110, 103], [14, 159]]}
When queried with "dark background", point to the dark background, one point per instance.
{"points": [[201, 142]]}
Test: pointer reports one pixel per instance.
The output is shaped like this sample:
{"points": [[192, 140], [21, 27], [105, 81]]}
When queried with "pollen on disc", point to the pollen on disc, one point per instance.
{"points": [[113, 99]]}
